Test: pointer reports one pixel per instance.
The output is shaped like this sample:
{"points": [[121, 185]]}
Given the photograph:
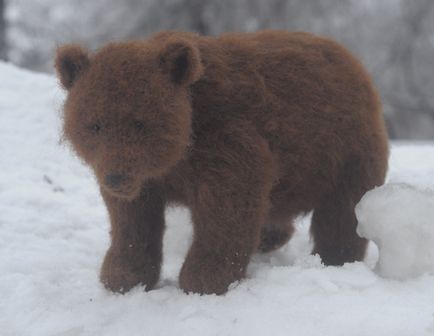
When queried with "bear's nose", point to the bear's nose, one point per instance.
{"points": [[115, 180]]}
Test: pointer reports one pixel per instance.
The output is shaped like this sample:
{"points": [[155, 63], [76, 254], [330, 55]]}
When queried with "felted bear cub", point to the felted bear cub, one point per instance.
{"points": [[246, 129]]}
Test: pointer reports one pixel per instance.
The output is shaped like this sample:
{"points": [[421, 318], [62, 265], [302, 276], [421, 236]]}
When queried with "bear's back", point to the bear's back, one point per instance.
{"points": [[306, 95], [297, 80]]}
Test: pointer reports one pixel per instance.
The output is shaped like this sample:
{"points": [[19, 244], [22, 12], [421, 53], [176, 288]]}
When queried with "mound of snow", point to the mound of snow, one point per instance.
{"points": [[54, 233], [399, 218]]}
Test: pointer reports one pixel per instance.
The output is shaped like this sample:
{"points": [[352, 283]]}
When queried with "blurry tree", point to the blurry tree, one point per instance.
{"points": [[3, 48], [411, 85]]}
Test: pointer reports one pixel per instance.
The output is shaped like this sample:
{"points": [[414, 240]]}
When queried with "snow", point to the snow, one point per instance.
{"points": [[54, 233], [399, 218]]}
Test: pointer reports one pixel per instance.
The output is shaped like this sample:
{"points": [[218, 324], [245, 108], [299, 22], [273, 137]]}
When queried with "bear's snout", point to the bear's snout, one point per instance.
{"points": [[115, 180], [121, 185]]}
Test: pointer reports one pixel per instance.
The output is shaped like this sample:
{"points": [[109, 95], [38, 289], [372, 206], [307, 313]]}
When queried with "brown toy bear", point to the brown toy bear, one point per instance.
{"points": [[247, 129]]}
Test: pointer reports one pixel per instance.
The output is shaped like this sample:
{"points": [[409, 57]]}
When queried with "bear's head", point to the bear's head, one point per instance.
{"points": [[128, 112]]}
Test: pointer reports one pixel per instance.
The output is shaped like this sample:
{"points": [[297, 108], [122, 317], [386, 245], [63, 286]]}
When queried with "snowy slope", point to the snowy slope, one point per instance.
{"points": [[54, 232]]}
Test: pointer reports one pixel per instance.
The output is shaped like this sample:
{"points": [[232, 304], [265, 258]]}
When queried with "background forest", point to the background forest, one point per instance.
{"points": [[394, 38]]}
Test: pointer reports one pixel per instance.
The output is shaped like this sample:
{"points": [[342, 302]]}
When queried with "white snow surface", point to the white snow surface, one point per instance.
{"points": [[54, 233]]}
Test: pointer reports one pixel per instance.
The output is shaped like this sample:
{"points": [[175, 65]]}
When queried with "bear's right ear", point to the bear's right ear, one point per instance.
{"points": [[71, 61]]}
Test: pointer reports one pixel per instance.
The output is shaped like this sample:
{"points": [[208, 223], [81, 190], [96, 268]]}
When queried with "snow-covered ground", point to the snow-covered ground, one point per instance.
{"points": [[54, 232]]}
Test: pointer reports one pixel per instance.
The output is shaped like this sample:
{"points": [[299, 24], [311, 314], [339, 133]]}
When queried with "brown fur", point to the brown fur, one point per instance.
{"points": [[247, 130]]}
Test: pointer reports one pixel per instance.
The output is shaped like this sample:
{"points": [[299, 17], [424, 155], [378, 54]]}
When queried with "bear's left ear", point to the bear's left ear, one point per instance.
{"points": [[71, 61], [180, 60]]}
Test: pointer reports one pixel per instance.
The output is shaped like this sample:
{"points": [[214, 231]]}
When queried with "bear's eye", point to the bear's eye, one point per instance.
{"points": [[139, 124], [95, 128]]}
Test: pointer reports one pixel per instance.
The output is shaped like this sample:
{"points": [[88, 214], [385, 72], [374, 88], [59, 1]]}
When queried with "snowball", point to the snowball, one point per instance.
{"points": [[399, 219]]}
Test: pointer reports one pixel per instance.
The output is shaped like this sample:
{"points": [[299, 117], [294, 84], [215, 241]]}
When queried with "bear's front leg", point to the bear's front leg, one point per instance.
{"points": [[134, 257], [229, 209]]}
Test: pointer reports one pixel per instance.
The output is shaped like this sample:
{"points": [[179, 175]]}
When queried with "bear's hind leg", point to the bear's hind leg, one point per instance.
{"points": [[334, 220], [334, 231]]}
